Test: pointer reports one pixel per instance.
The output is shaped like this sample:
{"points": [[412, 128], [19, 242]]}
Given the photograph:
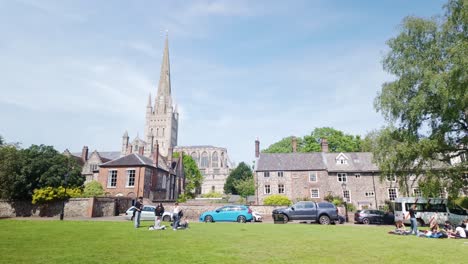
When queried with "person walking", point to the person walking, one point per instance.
{"points": [[175, 216], [158, 212], [138, 208], [412, 216]]}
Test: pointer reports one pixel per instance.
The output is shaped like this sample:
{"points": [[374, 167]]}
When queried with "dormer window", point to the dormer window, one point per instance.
{"points": [[341, 159]]}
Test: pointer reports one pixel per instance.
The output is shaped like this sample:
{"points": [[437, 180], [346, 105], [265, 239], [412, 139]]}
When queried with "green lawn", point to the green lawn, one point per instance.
{"points": [[36, 241]]}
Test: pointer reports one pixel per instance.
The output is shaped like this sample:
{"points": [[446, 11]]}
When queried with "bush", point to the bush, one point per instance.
{"points": [[50, 194], [462, 201], [212, 195], [277, 199], [183, 198], [92, 189]]}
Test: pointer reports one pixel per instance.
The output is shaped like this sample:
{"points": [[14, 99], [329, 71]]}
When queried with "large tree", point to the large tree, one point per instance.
{"points": [[338, 141], [426, 106], [23, 170], [193, 177], [241, 173]]}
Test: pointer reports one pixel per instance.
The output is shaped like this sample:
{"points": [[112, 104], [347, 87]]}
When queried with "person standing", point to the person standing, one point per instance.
{"points": [[158, 212], [412, 216], [138, 208], [175, 216]]}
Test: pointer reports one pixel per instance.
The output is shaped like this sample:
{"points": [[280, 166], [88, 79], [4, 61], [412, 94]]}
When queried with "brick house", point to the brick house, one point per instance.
{"points": [[135, 175], [314, 175]]}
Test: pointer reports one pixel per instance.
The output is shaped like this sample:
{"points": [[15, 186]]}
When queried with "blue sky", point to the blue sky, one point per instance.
{"points": [[78, 73]]}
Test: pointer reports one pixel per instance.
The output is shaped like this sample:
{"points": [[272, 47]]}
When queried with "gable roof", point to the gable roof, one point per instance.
{"points": [[135, 159], [357, 161], [291, 161], [104, 155]]}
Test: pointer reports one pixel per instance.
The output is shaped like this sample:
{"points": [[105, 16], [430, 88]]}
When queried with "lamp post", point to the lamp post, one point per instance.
{"points": [[65, 195], [343, 186]]}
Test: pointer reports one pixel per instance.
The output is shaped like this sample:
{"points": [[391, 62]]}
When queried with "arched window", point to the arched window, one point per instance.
{"points": [[204, 160], [195, 157], [222, 160], [214, 160]]}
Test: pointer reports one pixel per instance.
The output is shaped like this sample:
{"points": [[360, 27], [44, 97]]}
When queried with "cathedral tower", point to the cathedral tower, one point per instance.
{"points": [[162, 119]]}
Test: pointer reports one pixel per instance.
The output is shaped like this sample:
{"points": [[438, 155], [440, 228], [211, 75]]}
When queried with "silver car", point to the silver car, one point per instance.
{"points": [[147, 214]]}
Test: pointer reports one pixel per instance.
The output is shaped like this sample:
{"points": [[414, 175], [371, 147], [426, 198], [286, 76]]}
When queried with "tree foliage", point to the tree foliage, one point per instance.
{"points": [[337, 140], [24, 170], [241, 173], [92, 189], [193, 177], [245, 187], [426, 105]]}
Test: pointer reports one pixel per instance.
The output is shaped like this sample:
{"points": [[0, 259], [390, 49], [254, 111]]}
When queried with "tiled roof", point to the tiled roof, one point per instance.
{"points": [[136, 160], [291, 161], [105, 155], [356, 161]]}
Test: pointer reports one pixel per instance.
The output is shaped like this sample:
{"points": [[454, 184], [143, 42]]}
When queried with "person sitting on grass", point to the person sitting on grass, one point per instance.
{"points": [[400, 227]]}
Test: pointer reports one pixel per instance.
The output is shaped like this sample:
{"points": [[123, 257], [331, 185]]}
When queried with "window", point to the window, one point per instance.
{"points": [[267, 189], [112, 178], [392, 194], [280, 188], [212, 189], [342, 177], [341, 161], [93, 167], [195, 156], [391, 178], [347, 196], [370, 194], [416, 192], [357, 175], [130, 178], [164, 182], [222, 159], [314, 193], [204, 160], [266, 174], [280, 174], [214, 160], [313, 176]]}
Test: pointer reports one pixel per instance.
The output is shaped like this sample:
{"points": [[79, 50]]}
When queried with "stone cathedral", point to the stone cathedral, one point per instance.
{"points": [[162, 118]]}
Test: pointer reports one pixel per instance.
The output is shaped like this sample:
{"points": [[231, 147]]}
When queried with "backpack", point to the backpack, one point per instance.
{"points": [[181, 213]]}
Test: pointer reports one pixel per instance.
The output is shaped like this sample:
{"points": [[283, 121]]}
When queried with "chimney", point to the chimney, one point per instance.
{"points": [[170, 151], [294, 144], [324, 145], [141, 150], [257, 148], [84, 154], [129, 149], [156, 154]]}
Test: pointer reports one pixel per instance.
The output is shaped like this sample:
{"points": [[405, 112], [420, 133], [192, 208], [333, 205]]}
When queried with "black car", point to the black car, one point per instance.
{"points": [[323, 212], [369, 216]]}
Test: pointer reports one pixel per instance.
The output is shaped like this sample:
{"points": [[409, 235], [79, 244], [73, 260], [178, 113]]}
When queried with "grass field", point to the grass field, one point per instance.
{"points": [[36, 241]]}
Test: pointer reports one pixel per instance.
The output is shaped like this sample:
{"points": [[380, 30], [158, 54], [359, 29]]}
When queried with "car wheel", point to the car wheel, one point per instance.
{"points": [[208, 219], [285, 218], [241, 219], [324, 220], [420, 222], [166, 218], [366, 221]]}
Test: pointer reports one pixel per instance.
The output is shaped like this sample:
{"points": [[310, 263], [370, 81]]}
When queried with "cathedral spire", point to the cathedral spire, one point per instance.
{"points": [[149, 100], [164, 88]]}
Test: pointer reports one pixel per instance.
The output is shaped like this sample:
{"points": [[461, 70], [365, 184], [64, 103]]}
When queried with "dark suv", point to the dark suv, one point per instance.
{"points": [[322, 212]]}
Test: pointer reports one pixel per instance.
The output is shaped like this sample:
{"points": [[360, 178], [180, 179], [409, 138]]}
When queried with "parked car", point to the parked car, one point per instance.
{"points": [[322, 212], [228, 213], [257, 216], [148, 214], [369, 216]]}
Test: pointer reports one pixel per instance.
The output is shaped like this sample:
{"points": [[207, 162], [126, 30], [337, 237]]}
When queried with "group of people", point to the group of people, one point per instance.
{"points": [[434, 230], [177, 216]]}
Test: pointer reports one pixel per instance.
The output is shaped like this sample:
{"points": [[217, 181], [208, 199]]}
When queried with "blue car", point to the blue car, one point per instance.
{"points": [[228, 213]]}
